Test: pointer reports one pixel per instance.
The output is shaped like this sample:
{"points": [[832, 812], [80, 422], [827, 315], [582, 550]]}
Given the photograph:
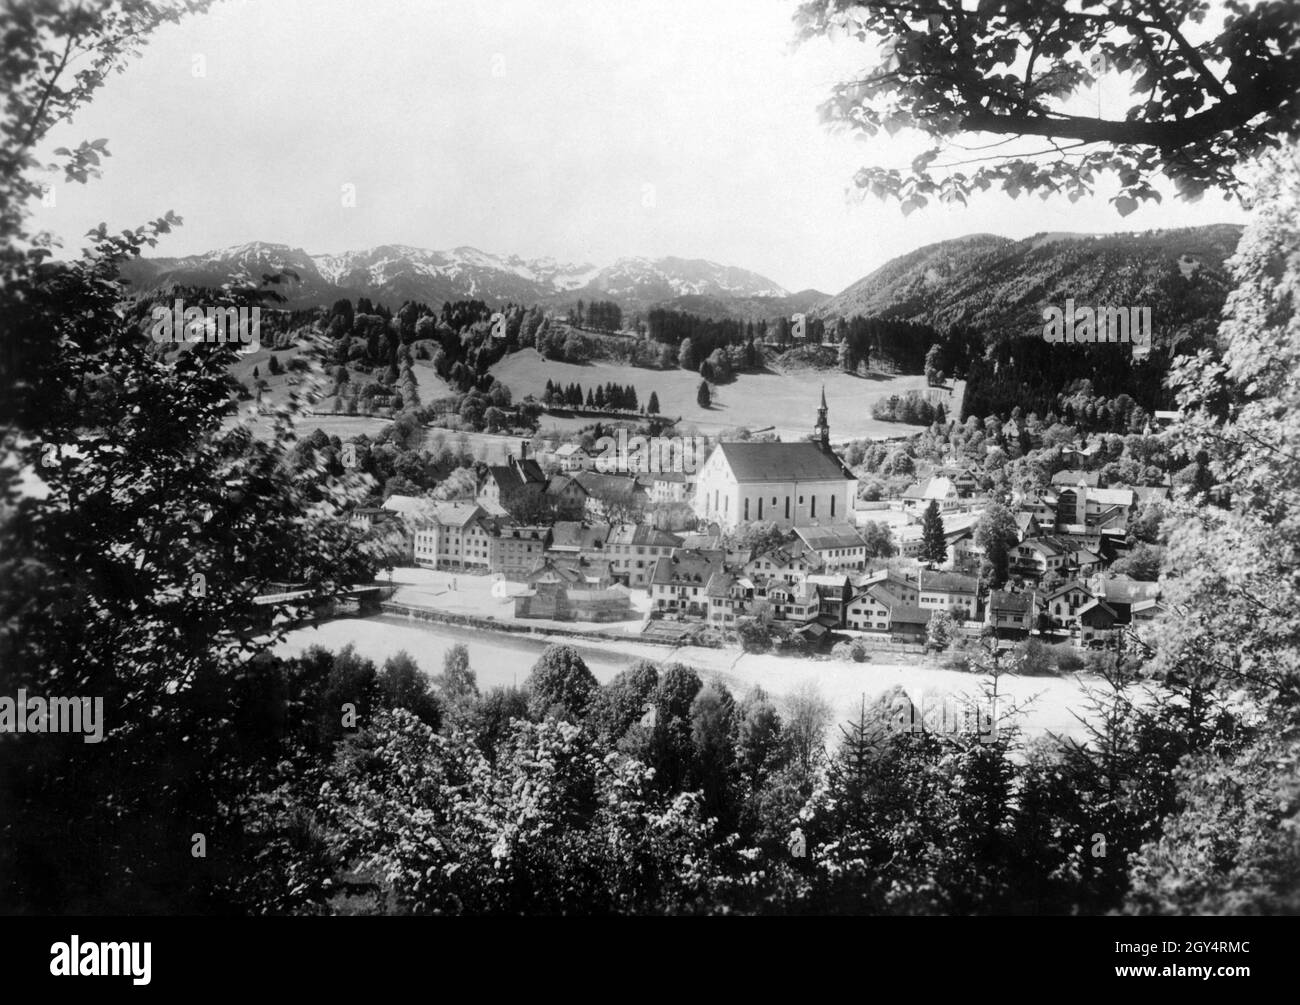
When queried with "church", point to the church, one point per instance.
{"points": [[790, 484]]}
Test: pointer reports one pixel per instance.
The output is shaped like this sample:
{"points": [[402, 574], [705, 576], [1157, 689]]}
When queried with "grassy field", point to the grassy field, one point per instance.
{"points": [[786, 400]]}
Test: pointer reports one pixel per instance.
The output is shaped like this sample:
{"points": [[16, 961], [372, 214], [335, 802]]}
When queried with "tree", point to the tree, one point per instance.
{"points": [[1141, 562], [958, 75], [702, 396], [401, 685], [934, 546], [997, 534], [687, 357], [560, 684], [457, 681], [754, 635], [713, 737], [941, 629], [808, 715], [652, 408], [879, 540]]}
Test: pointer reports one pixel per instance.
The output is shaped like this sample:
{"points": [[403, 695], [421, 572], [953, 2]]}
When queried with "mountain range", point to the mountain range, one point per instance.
{"points": [[982, 280], [392, 274]]}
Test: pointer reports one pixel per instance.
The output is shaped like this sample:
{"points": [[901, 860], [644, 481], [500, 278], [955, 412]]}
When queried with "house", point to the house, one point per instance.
{"points": [[1027, 525], [797, 602], [1062, 604], [839, 546], [572, 457], [609, 496], [1072, 477], [966, 482], [514, 487], [407, 515], [948, 591], [877, 609], [1010, 615], [729, 596], [787, 563], [902, 588], [455, 535], [565, 497], [634, 548], [918, 497], [516, 549], [670, 486], [791, 484], [1097, 624], [1041, 556], [679, 582], [577, 539], [1121, 592], [834, 591], [1083, 506]]}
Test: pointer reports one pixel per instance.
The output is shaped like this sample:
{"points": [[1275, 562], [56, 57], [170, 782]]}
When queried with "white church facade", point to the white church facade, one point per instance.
{"points": [[790, 484]]}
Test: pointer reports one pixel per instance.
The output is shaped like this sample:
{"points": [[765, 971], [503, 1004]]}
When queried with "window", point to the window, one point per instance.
{"points": [[787, 507], [746, 509], [760, 508], [813, 511], [832, 505]]}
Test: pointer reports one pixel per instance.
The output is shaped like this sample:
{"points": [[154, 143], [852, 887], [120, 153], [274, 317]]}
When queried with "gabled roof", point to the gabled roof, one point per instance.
{"points": [[949, 582], [579, 536], [825, 538], [1111, 497], [516, 475], [1067, 587], [409, 505], [1125, 589], [1071, 477], [782, 462], [643, 534], [559, 484], [607, 485], [1098, 606], [457, 514], [1010, 603], [693, 568], [569, 450]]}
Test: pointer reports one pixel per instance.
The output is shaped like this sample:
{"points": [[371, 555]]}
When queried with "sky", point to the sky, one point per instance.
{"points": [[580, 130]]}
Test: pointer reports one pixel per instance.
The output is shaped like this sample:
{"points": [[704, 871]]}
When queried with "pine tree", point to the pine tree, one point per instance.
{"points": [[702, 396], [933, 546], [653, 407]]}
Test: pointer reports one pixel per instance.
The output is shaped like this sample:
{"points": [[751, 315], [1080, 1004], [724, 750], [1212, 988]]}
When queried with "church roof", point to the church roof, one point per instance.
{"points": [[782, 462]]}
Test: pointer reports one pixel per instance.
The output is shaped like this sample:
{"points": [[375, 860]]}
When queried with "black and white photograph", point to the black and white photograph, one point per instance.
{"points": [[660, 458]]}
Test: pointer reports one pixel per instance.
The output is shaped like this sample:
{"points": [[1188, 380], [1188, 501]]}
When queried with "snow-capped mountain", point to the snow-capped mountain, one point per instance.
{"points": [[393, 273]]}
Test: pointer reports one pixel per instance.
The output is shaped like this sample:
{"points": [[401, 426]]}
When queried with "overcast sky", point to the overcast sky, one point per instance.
{"points": [[576, 129]]}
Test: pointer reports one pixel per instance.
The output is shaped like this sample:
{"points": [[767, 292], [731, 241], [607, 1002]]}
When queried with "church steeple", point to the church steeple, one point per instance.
{"points": [[822, 431]]}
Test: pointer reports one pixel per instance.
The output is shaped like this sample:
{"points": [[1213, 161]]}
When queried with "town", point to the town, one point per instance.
{"points": [[823, 568]]}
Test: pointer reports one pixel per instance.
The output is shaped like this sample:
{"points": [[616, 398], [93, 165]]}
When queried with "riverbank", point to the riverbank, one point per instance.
{"points": [[1050, 704]]}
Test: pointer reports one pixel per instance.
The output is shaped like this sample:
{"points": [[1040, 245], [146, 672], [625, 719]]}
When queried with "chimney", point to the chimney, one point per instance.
{"points": [[523, 450]]}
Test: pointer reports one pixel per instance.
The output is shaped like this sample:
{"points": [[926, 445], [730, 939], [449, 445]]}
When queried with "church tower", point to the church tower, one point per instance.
{"points": [[822, 431]]}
